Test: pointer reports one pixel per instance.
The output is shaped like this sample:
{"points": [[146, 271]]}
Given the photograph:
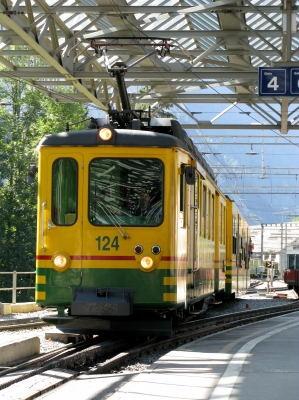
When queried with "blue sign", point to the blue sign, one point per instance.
{"points": [[278, 81], [294, 85]]}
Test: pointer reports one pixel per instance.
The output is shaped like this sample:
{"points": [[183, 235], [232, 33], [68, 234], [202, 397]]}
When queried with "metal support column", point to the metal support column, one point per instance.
{"points": [[262, 243], [281, 251]]}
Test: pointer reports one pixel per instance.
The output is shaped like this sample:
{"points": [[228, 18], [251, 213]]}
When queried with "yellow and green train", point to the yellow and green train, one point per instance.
{"points": [[133, 232]]}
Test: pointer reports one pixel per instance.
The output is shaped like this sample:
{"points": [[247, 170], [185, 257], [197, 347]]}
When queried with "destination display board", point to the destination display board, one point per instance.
{"points": [[278, 81]]}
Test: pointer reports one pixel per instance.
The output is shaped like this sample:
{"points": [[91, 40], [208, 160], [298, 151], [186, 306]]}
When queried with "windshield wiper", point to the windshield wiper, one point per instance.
{"points": [[114, 221]]}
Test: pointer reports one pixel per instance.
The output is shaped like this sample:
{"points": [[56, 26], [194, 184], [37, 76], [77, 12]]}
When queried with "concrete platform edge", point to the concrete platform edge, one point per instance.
{"points": [[9, 308]]}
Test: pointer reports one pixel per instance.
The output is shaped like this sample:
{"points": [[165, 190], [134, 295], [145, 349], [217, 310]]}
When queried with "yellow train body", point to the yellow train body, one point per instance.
{"points": [[89, 250]]}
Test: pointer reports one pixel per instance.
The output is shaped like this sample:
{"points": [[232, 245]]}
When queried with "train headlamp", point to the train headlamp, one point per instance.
{"points": [[61, 261], [105, 133], [147, 263]]}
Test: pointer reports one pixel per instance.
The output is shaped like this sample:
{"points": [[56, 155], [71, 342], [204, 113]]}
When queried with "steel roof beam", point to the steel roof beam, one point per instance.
{"points": [[262, 13], [243, 140], [148, 9], [259, 190], [178, 34], [257, 34], [256, 174], [240, 144], [258, 53], [284, 115], [61, 33], [248, 169], [242, 127], [9, 22], [263, 113], [138, 51], [171, 34], [144, 73]]}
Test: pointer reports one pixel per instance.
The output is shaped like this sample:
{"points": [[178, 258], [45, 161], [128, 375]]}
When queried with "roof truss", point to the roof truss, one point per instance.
{"points": [[217, 48]]}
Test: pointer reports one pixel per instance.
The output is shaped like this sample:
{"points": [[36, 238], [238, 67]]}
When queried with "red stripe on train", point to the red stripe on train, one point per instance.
{"points": [[118, 258], [43, 257], [105, 258]]}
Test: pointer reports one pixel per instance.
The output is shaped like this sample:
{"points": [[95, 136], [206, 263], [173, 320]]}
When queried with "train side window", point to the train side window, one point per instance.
{"points": [[221, 221], [208, 214], [196, 214], [182, 199], [200, 209], [242, 249], [196, 191], [212, 217], [234, 235], [224, 225], [182, 192], [204, 210], [64, 191]]}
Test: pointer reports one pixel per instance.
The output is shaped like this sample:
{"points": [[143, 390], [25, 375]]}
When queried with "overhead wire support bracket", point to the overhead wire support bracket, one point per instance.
{"points": [[102, 48], [118, 69], [120, 66]]}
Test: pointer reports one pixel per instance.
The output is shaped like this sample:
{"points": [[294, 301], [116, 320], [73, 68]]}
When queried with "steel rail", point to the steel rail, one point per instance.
{"points": [[23, 326], [82, 352]]}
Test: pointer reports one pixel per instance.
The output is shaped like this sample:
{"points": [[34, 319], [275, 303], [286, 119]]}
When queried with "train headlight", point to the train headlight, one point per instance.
{"points": [[105, 133], [147, 263], [61, 261]]}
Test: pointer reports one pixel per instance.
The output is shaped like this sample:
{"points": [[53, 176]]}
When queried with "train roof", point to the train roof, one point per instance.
{"points": [[161, 132]]}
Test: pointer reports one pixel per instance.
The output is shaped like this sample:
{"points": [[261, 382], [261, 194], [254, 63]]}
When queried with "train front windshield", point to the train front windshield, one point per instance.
{"points": [[126, 191]]}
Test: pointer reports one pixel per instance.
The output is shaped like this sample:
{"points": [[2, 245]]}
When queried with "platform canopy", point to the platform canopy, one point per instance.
{"points": [[206, 51], [239, 55]]}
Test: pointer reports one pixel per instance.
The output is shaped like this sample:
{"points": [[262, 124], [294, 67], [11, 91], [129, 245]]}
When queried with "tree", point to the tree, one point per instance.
{"points": [[25, 118], [163, 112]]}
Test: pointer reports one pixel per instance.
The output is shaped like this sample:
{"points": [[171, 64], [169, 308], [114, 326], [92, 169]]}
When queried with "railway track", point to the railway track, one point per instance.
{"points": [[98, 357], [71, 356], [23, 323]]}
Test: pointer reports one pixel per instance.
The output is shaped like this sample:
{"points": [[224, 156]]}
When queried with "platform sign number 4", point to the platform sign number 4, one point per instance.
{"points": [[273, 84], [272, 81]]}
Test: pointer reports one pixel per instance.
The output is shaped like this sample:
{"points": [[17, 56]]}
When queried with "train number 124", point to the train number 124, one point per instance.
{"points": [[106, 243]]}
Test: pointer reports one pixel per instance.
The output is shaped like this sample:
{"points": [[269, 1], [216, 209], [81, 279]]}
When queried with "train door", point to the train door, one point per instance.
{"points": [[62, 217]]}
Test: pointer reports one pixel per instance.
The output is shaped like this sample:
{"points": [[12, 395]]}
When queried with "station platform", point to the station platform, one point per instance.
{"points": [[257, 361]]}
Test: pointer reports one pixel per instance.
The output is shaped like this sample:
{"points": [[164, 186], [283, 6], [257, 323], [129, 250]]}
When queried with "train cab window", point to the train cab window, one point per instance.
{"points": [[126, 191], [64, 191]]}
